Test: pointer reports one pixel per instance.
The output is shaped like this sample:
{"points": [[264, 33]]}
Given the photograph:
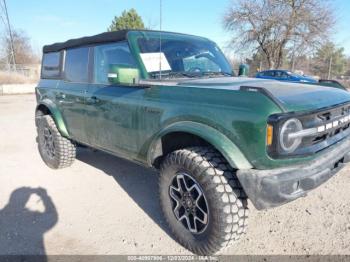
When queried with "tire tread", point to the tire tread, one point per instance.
{"points": [[65, 149], [224, 190]]}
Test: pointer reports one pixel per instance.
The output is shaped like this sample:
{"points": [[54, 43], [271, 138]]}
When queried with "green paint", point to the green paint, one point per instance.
{"points": [[223, 144], [128, 121], [56, 114]]}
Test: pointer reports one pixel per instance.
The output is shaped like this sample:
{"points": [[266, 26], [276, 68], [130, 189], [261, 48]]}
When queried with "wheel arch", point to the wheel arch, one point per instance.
{"points": [[201, 135], [48, 107]]}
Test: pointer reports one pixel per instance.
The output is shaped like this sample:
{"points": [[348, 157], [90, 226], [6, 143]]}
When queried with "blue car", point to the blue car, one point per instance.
{"points": [[285, 75]]}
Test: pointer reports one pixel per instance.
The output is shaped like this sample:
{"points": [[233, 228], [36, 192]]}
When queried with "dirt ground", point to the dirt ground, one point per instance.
{"points": [[105, 205]]}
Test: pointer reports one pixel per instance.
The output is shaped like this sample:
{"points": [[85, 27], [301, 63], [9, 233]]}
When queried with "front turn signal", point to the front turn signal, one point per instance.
{"points": [[269, 135]]}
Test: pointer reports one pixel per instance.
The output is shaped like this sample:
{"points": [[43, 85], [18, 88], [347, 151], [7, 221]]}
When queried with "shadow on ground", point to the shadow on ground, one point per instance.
{"points": [[21, 228], [140, 183]]}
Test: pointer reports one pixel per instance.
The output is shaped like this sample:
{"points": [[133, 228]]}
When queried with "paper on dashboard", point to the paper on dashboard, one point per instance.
{"points": [[155, 62]]}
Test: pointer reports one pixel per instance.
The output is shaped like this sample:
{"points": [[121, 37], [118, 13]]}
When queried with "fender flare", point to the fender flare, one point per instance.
{"points": [[56, 114], [222, 143]]}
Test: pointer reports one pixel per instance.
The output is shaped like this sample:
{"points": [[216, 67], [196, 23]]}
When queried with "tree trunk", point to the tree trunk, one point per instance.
{"points": [[269, 60], [280, 57]]}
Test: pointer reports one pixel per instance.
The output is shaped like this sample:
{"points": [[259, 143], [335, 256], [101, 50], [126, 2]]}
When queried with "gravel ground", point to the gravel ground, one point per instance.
{"points": [[105, 205]]}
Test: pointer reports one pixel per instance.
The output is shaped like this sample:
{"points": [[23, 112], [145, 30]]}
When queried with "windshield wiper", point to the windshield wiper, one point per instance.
{"points": [[213, 74], [168, 75]]}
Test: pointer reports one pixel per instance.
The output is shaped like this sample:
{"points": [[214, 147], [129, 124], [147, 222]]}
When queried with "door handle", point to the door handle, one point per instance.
{"points": [[93, 100], [61, 99], [60, 96]]}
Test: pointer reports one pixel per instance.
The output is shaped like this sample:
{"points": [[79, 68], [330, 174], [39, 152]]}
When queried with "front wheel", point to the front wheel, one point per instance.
{"points": [[202, 200]]}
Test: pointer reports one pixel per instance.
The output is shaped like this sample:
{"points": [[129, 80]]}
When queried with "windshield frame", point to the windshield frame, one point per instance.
{"points": [[134, 36]]}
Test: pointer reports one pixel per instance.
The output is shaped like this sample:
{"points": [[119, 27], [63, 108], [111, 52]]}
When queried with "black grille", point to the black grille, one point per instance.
{"points": [[324, 118], [319, 141], [324, 139]]}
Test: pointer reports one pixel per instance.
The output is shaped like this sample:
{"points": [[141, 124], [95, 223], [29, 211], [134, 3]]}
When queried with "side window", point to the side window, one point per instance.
{"points": [[271, 73], [111, 54], [284, 75], [278, 74], [76, 65], [51, 67]]}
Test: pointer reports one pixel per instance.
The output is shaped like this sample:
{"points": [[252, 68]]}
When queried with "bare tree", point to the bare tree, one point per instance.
{"points": [[275, 26], [23, 50]]}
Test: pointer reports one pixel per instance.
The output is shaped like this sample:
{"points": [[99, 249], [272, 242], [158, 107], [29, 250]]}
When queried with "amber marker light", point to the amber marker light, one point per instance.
{"points": [[269, 135]]}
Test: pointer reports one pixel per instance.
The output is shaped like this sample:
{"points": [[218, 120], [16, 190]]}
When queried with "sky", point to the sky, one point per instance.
{"points": [[49, 21]]}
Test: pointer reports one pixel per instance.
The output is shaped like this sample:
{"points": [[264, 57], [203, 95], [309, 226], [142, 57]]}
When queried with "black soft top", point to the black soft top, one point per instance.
{"points": [[88, 40], [106, 37]]}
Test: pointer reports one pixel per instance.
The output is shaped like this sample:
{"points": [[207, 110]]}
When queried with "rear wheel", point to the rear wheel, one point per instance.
{"points": [[202, 200], [55, 150]]}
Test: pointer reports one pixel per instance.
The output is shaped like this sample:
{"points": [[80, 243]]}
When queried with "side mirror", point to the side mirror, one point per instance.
{"points": [[243, 70], [123, 75]]}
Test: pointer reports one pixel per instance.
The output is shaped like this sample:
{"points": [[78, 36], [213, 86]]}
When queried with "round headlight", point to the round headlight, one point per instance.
{"points": [[287, 143]]}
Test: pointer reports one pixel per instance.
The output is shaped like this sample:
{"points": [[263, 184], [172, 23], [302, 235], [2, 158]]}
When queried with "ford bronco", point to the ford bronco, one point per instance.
{"points": [[170, 101]]}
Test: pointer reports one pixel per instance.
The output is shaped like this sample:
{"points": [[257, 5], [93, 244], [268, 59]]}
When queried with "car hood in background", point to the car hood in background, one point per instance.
{"points": [[308, 79]]}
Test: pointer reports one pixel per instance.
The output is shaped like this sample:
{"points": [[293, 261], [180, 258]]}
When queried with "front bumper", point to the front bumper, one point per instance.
{"points": [[275, 187]]}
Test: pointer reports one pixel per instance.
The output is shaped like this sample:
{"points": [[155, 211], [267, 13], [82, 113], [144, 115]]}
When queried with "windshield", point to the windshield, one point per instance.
{"points": [[180, 56]]}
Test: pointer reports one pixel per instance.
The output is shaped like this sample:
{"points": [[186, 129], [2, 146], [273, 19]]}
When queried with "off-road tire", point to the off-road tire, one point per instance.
{"points": [[227, 202], [64, 150]]}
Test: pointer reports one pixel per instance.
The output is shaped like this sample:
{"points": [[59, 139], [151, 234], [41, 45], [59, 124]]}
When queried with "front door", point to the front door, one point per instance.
{"points": [[112, 110], [112, 120]]}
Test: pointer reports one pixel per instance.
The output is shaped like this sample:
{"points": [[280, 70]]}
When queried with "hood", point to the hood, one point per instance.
{"points": [[291, 96], [308, 78]]}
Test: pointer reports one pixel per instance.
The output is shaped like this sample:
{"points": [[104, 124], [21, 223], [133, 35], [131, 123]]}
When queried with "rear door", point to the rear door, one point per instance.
{"points": [[71, 93]]}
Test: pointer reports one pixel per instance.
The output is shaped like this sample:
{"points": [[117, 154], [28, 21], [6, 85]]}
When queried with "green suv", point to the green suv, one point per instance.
{"points": [[170, 101]]}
